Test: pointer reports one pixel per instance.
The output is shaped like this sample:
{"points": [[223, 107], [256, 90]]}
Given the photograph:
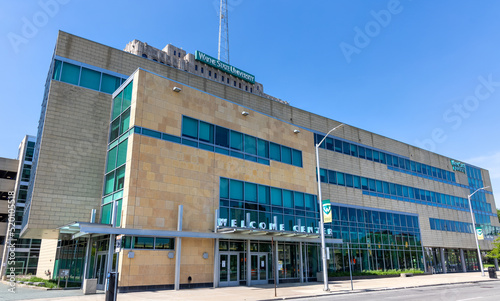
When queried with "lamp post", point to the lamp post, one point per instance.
{"points": [[321, 223], [474, 229]]}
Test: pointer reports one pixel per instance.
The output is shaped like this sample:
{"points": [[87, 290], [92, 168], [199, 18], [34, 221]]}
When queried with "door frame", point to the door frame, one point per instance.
{"points": [[101, 254], [258, 271], [227, 282]]}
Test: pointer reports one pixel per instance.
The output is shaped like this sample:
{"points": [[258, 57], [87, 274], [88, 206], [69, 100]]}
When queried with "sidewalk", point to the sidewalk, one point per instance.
{"points": [[287, 291]]}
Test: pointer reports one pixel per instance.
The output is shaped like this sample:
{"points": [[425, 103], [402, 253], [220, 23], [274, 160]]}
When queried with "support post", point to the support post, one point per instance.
{"points": [[443, 262], [248, 263], [462, 259], [277, 272], [495, 260], [88, 257], [178, 242], [111, 248], [301, 264], [216, 263]]}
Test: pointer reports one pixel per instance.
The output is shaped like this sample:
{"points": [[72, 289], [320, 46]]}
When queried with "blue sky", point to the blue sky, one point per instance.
{"points": [[425, 73]]}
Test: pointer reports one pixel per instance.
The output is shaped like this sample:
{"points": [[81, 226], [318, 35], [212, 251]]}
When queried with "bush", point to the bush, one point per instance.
{"points": [[48, 283]]}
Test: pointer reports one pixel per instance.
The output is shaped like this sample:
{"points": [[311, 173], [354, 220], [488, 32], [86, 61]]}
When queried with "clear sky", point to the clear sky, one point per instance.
{"points": [[425, 73]]}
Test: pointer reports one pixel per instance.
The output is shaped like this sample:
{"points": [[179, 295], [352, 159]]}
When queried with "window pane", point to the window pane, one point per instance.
{"points": [[122, 153], [221, 136], [109, 183], [310, 202], [143, 242], [106, 213], [354, 150], [90, 79], [109, 83], [348, 180], [189, 127], [286, 155], [264, 194], [236, 140], [118, 213], [120, 178], [57, 70], [251, 192], [299, 200], [287, 199], [236, 190], [338, 146], [263, 148], [206, 132], [276, 196], [125, 122], [70, 73], [111, 164], [297, 157], [115, 130], [117, 106], [340, 179], [224, 188], [127, 96], [250, 145], [275, 152], [164, 243]]}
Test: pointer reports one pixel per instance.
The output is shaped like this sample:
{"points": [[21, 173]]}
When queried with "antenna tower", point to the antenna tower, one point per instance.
{"points": [[223, 54]]}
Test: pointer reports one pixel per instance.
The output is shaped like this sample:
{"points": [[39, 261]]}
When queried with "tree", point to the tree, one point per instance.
{"points": [[498, 214], [495, 253]]}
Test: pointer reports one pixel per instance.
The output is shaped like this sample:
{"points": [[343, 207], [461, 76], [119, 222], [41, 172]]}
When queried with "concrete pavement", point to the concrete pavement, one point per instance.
{"points": [[284, 291]]}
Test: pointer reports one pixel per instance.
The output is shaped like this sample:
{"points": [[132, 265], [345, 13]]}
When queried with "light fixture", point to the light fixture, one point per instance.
{"points": [[130, 254], [296, 131], [244, 113], [205, 255], [177, 89]]}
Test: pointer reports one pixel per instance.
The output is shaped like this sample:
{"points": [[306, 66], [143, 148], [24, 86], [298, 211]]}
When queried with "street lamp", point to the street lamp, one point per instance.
{"points": [[321, 223], [474, 228]]}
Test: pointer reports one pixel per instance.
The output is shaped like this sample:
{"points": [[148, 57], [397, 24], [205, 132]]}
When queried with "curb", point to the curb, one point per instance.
{"points": [[372, 290]]}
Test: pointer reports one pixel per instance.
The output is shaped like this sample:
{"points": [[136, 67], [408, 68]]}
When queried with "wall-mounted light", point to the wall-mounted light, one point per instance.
{"points": [[244, 113], [171, 255], [296, 131], [205, 255], [131, 254], [177, 89]]}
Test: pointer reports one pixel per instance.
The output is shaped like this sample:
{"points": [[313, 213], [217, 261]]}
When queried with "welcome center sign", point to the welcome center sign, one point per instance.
{"points": [[205, 58]]}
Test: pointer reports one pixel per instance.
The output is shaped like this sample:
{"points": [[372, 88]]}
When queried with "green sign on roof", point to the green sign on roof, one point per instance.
{"points": [[205, 58]]}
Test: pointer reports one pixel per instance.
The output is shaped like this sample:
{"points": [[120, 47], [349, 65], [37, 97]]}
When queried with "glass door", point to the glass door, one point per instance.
{"points": [[229, 269], [258, 267], [100, 269]]}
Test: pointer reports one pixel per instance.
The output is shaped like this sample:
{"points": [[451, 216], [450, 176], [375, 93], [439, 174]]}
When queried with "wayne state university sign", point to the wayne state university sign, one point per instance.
{"points": [[205, 58]]}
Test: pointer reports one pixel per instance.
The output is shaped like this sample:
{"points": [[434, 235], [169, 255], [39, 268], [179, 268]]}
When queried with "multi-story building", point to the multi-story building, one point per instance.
{"points": [[207, 183], [25, 259], [8, 173]]}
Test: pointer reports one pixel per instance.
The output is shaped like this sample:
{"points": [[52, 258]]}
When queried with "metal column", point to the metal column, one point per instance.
{"points": [[301, 263], [88, 257], [178, 242], [248, 263], [277, 272], [216, 263], [496, 263], [443, 263], [462, 259]]}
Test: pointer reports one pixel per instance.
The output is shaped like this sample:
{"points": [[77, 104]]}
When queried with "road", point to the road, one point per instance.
{"points": [[457, 292]]}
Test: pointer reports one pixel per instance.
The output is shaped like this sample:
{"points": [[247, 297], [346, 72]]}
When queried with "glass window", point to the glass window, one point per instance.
{"points": [[332, 177], [297, 157], [380, 188], [364, 183], [250, 192], [90, 79], [299, 200], [120, 178], [264, 194], [221, 136], [369, 154], [276, 196], [348, 180], [287, 198], [286, 155], [106, 213], [117, 106], [338, 146], [236, 141], [189, 127], [340, 178], [109, 83], [275, 152], [143, 242], [310, 201], [382, 158], [236, 190], [354, 150], [109, 183], [250, 145], [122, 153], [263, 148], [164, 243], [206, 132], [57, 70], [357, 183], [111, 164], [376, 156], [371, 185], [70, 73], [125, 122], [346, 148], [127, 96], [115, 130], [224, 188], [329, 143], [361, 152]]}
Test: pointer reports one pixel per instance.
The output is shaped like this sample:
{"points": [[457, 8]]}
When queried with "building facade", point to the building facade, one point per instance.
{"points": [[204, 183], [8, 174]]}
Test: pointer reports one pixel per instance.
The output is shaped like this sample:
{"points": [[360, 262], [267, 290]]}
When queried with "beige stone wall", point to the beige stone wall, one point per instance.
{"points": [[47, 257]]}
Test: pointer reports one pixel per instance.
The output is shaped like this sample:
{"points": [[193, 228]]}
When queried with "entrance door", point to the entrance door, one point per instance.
{"points": [[229, 269], [100, 269], [258, 267]]}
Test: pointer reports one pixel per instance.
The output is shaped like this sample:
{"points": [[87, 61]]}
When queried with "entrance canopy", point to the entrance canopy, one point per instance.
{"points": [[86, 229]]}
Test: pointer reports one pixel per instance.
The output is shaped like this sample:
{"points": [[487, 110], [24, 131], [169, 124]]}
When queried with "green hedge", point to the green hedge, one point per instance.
{"points": [[373, 273]]}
